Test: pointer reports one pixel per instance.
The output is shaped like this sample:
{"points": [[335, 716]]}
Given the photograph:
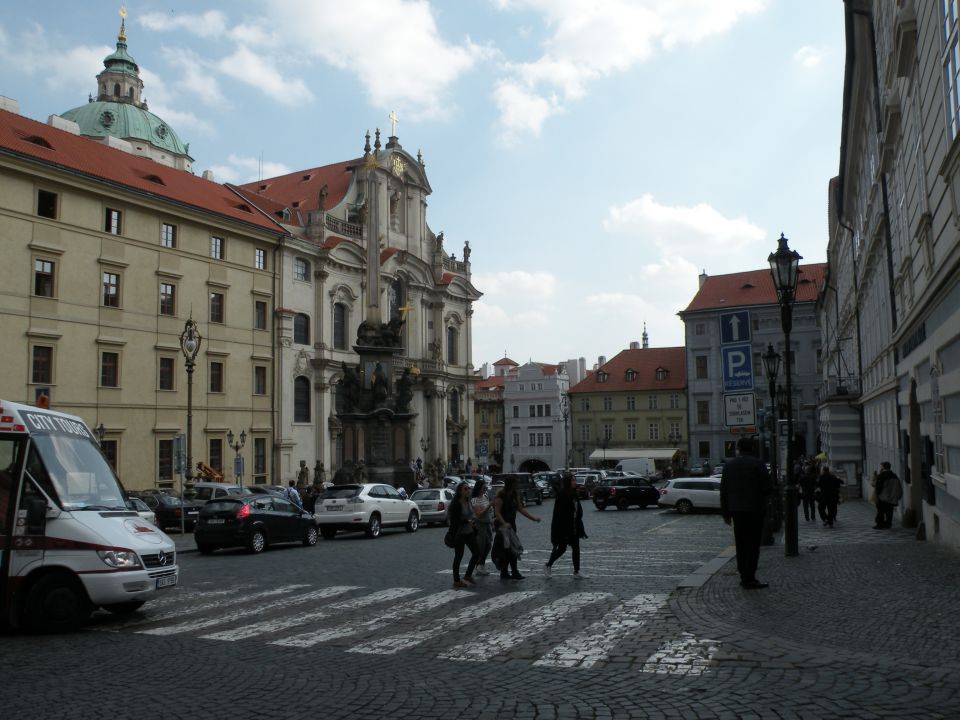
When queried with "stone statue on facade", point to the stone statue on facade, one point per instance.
{"points": [[351, 388], [378, 384], [404, 391]]}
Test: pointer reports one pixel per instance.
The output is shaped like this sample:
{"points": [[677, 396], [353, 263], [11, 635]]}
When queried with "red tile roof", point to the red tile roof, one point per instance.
{"points": [[491, 383], [754, 287], [644, 362], [300, 190], [505, 361], [388, 253], [270, 207], [29, 138]]}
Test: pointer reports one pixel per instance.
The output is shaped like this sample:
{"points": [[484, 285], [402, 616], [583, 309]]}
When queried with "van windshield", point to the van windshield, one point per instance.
{"points": [[74, 472]]}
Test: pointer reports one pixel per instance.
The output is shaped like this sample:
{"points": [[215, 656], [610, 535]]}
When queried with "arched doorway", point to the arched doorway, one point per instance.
{"points": [[533, 466]]}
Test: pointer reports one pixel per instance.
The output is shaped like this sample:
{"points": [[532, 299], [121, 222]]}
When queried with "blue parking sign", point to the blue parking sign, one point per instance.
{"points": [[737, 367]]}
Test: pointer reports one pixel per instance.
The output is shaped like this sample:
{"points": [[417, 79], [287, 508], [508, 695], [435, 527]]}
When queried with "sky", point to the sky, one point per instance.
{"points": [[598, 155]]}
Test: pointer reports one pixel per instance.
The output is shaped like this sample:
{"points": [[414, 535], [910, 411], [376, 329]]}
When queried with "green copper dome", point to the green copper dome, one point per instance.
{"points": [[126, 121]]}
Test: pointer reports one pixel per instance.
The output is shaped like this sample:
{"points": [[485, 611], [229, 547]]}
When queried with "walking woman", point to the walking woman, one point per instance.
{"points": [[463, 529], [566, 528], [483, 512], [506, 506]]}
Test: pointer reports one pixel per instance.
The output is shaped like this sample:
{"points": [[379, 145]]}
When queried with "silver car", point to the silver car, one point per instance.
{"points": [[434, 503]]}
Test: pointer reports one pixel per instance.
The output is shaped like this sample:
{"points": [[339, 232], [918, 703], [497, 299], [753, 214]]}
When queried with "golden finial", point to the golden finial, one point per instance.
{"points": [[122, 36]]}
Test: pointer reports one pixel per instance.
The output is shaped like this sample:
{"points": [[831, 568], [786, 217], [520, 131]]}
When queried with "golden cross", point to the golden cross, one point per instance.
{"points": [[404, 310]]}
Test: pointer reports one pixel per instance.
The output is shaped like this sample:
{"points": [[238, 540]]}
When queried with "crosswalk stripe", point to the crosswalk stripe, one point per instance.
{"points": [[593, 644], [495, 642], [193, 625], [277, 624], [349, 628], [184, 609], [686, 655], [396, 643]]}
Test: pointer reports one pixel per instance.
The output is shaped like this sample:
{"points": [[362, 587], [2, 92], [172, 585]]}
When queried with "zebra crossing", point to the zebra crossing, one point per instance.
{"points": [[579, 629]]}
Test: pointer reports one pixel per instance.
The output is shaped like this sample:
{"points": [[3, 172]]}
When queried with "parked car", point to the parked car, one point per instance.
{"points": [[451, 481], [548, 482], [168, 510], [624, 492], [142, 509], [433, 504], [586, 482], [696, 470], [528, 490], [204, 491], [252, 521], [266, 489], [689, 493], [369, 507]]}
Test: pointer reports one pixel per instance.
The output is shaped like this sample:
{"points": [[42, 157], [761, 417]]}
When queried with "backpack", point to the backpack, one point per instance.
{"points": [[892, 490]]}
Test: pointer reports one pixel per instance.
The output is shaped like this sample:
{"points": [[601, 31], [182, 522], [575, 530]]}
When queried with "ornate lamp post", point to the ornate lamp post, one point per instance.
{"points": [[100, 431], [771, 364], [785, 268], [190, 345], [237, 447], [565, 414]]}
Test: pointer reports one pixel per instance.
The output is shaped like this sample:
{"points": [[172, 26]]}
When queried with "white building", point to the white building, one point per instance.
{"points": [[537, 434]]}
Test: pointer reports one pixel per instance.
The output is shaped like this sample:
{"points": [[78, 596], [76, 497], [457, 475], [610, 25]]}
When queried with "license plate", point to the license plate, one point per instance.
{"points": [[334, 507], [216, 521], [168, 581]]}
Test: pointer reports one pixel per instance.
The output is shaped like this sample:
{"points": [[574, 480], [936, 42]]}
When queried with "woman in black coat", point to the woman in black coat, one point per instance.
{"points": [[566, 528]]}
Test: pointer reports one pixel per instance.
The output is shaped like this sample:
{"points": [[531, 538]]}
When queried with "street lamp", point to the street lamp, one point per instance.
{"points": [[237, 447], [785, 268], [190, 345], [771, 364], [565, 414], [100, 431], [603, 443]]}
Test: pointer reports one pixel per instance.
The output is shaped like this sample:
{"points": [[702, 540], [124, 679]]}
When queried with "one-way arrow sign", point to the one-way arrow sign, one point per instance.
{"points": [[735, 327]]}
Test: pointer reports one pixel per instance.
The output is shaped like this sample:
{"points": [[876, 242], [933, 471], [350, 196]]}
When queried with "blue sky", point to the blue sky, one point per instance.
{"points": [[596, 155]]}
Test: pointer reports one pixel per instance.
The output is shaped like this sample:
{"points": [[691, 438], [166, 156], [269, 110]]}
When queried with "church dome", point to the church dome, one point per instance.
{"points": [[119, 112]]}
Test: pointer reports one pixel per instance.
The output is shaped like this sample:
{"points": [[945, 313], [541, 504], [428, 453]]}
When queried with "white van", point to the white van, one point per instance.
{"points": [[641, 466], [68, 543]]}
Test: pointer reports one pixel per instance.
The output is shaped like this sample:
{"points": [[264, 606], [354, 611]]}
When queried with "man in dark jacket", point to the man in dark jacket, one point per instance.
{"points": [[808, 489], [829, 495], [887, 487], [744, 487]]}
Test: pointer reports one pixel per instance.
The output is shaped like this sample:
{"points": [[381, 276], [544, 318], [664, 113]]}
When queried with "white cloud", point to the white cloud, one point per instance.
{"points": [[590, 41], [517, 285], [810, 57], [196, 77], [212, 23], [71, 69], [259, 71], [243, 169]]}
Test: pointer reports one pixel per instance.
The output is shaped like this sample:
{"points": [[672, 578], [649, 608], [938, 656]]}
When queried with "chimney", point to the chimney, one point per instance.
{"points": [[634, 345], [208, 175], [703, 277], [9, 104]]}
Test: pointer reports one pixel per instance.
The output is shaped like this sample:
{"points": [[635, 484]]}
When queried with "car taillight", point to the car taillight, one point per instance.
{"points": [[441, 505], [243, 512]]}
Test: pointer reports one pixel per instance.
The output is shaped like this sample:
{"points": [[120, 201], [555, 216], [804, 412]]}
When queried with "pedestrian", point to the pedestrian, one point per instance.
{"points": [[889, 491], [310, 498], [463, 530], [505, 507], [744, 487], [469, 466], [566, 527], [808, 491], [829, 495], [294, 496], [483, 512]]}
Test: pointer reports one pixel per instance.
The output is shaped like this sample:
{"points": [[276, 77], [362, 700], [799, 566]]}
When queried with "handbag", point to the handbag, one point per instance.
{"points": [[450, 539]]}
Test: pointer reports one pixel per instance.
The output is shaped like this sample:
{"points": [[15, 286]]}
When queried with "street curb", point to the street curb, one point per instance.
{"points": [[699, 577]]}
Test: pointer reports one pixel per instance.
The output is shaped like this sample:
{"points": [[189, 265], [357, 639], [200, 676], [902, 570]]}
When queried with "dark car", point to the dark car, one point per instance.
{"points": [[548, 482], [527, 489], [168, 510], [624, 492], [252, 521]]}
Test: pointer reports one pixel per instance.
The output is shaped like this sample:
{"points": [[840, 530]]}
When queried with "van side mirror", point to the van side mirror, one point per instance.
{"points": [[36, 516]]}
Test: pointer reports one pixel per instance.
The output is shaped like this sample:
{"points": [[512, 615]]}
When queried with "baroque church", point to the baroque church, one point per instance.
{"points": [[279, 275]]}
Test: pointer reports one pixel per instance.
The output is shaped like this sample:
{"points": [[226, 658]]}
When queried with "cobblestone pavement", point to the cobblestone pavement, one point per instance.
{"points": [[860, 625]]}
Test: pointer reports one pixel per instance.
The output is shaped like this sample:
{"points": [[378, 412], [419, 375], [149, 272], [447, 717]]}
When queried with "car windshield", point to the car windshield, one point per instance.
{"points": [[341, 493], [426, 495], [73, 470], [219, 506]]}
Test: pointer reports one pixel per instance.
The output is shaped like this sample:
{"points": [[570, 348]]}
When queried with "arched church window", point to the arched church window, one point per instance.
{"points": [[395, 292], [452, 339], [116, 89], [130, 93], [301, 399], [340, 326], [301, 329], [455, 405]]}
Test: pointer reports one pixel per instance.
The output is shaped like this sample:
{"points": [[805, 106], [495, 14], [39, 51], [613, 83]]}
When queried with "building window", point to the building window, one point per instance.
{"points": [[260, 258], [631, 402], [260, 315], [167, 369], [703, 412], [259, 457], [483, 416], [951, 65], [216, 248], [42, 371], [601, 376], [301, 400], [47, 204], [631, 375], [111, 289], [585, 404], [651, 402], [654, 430], [259, 380], [216, 454], [168, 299], [109, 369], [701, 367], [165, 459], [700, 329], [631, 431], [585, 432], [340, 326], [452, 345], [168, 235], [301, 329], [516, 411], [607, 431], [662, 374], [608, 403], [216, 307], [675, 431], [498, 443], [43, 276], [301, 270], [112, 221], [109, 448], [455, 405], [533, 411], [533, 440], [703, 447], [516, 439], [675, 401], [499, 419], [216, 376]]}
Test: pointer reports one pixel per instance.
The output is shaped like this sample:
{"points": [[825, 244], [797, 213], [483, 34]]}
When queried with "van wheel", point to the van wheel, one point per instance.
{"points": [[257, 542], [56, 603], [124, 608], [684, 506]]}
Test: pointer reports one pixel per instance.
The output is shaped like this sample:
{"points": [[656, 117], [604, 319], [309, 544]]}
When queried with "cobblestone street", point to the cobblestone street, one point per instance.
{"points": [[856, 626]]}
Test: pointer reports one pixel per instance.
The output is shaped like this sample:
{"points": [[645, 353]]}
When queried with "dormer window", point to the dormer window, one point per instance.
{"points": [[662, 373], [631, 375], [601, 376]]}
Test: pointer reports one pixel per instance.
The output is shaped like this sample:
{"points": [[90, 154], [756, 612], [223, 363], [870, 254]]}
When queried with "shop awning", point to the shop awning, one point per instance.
{"points": [[629, 453]]}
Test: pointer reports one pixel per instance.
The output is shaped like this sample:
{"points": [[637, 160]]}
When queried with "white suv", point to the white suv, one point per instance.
{"points": [[369, 507], [686, 493]]}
